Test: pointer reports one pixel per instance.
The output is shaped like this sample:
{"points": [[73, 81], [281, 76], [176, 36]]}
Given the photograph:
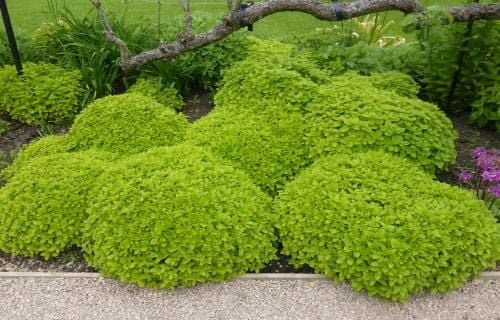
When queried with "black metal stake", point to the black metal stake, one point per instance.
{"points": [[460, 62], [11, 37]]}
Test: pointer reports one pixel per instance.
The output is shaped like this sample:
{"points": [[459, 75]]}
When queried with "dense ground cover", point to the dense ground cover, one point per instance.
{"points": [[313, 150]]}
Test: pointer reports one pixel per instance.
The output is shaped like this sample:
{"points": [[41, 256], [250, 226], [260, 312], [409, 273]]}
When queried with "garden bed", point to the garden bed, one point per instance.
{"points": [[197, 105]]}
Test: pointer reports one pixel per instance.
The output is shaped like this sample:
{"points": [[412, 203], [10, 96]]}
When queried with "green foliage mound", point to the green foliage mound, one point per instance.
{"points": [[46, 146], [153, 88], [394, 81], [177, 216], [267, 146], [351, 116], [269, 76], [44, 93], [382, 224], [126, 124], [43, 205]]}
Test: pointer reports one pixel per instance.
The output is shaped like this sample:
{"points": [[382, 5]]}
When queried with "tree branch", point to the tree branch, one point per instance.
{"points": [[110, 34], [234, 21]]}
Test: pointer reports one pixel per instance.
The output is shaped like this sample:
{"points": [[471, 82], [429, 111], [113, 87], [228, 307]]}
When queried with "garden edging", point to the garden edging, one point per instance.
{"points": [[488, 275]]}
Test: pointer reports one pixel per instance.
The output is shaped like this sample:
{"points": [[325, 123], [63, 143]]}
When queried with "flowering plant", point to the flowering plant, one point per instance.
{"points": [[484, 179]]}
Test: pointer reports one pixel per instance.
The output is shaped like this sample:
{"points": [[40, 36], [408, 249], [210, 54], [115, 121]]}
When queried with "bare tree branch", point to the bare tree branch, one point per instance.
{"points": [[188, 34], [110, 34], [234, 21]]}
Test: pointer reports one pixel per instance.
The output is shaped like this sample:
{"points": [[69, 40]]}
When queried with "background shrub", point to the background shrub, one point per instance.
{"points": [[43, 205], [385, 226], [155, 89], [24, 44], [267, 146], [351, 116], [177, 216], [44, 93], [269, 77], [200, 68], [126, 124], [46, 146], [77, 42]]}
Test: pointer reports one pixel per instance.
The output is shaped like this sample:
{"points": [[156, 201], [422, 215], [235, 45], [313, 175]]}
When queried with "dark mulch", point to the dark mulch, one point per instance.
{"points": [[197, 105], [17, 134]]}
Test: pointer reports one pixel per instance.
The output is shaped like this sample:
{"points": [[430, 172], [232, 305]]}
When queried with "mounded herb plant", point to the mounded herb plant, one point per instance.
{"points": [[394, 81], [269, 76], [267, 146], [177, 216], [45, 146], [153, 87], [379, 222], [43, 205], [44, 93], [126, 124], [353, 116]]}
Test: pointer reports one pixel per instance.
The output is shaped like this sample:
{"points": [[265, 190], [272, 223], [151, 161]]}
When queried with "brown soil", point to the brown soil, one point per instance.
{"points": [[197, 104]]}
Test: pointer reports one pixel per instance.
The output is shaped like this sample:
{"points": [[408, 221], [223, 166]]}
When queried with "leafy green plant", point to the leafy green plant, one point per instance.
{"points": [[337, 51], [77, 42], [177, 216], [380, 223], [486, 109], [154, 88], [352, 116], [45, 93], [267, 146], [202, 67], [459, 63], [43, 205], [126, 124], [25, 45], [269, 77], [45, 146], [397, 82]]}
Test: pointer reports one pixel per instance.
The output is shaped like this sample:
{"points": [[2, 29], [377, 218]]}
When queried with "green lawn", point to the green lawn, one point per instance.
{"points": [[27, 15]]}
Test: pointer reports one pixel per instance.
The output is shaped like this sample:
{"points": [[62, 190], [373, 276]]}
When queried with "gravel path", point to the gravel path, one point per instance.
{"points": [[29, 298]]}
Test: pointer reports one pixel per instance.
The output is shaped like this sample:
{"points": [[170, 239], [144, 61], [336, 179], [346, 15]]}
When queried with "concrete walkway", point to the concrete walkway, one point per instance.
{"points": [[74, 298]]}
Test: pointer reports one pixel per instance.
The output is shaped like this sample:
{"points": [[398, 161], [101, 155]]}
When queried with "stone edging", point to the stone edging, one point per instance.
{"points": [[489, 275]]}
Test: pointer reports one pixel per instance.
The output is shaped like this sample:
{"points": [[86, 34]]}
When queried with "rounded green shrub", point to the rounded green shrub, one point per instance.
{"points": [[269, 76], [44, 93], [382, 224], [177, 216], [126, 124], [153, 88], [349, 116], [43, 205], [46, 146], [394, 81], [267, 146]]}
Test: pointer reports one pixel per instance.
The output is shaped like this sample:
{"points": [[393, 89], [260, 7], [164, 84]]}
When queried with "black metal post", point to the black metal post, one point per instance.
{"points": [[460, 62], [11, 37]]}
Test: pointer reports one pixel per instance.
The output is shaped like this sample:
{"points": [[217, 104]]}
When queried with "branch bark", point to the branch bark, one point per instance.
{"points": [[234, 21]]}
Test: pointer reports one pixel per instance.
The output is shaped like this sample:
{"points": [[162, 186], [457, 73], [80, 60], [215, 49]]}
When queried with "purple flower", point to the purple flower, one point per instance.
{"points": [[465, 176], [480, 152], [495, 190], [493, 175]]}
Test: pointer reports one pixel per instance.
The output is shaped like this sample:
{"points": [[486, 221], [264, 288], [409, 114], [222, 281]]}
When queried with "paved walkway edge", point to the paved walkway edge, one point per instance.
{"points": [[489, 275]]}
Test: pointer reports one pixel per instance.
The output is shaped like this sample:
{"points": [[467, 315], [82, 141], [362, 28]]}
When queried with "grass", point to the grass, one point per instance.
{"points": [[27, 15]]}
